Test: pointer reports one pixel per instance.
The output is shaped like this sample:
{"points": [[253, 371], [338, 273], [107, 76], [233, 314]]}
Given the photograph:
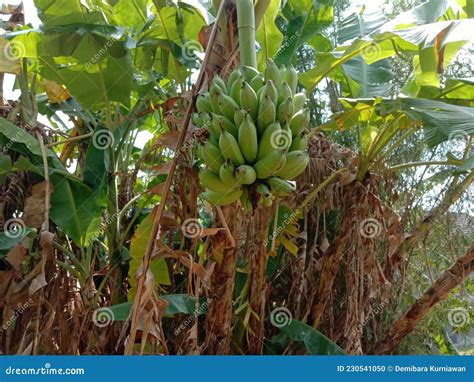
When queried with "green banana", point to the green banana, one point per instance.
{"points": [[299, 100], [234, 76], [280, 187], [220, 122], [271, 91], [206, 117], [286, 127], [291, 76], [257, 82], [267, 141], [249, 73], [213, 130], [270, 164], [272, 72], [199, 152], [217, 80], [248, 100], [246, 201], [227, 106], [245, 174], [214, 92], [266, 114], [285, 111], [266, 195], [226, 173], [239, 117], [296, 162], [220, 199], [197, 119], [213, 136], [267, 202], [210, 180], [236, 89], [230, 148], [211, 155], [248, 139], [260, 93], [285, 92], [203, 104], [213, 125], [252, 119], [299, 122], [300, 142], [264, 191]]}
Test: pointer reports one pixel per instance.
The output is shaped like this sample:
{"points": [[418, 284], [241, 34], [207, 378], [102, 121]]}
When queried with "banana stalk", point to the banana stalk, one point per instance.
{"points": [[246, 27]]}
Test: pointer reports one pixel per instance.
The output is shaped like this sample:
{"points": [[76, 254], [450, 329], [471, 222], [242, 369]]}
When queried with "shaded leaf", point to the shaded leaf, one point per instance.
{"points": [[73, 207], [7, 242], [360, 24], [177, 303], [316, 343]]}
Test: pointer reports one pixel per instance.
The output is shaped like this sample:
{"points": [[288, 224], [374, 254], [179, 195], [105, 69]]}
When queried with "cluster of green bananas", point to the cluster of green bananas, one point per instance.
{"points": [[257, 135]]}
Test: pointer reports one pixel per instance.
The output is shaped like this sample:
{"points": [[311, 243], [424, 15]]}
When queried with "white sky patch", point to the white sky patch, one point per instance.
{"points": [[142, 138], [8, 84], [31, 16]]}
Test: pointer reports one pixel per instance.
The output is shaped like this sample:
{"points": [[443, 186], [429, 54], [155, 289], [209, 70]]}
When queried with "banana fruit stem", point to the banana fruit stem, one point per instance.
{"points": [[246, 27]]}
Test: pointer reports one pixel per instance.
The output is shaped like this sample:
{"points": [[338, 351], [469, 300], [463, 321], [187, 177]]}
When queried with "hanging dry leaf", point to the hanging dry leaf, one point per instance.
{"points": [[16, 256], [35, 209], [56, 93]]}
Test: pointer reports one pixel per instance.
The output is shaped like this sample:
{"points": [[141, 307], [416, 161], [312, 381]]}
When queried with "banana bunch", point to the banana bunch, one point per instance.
{"points": [[257, 136]]}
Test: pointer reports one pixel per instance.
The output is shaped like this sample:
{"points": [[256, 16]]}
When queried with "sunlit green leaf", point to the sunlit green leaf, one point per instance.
{"points": [[268, 35]]}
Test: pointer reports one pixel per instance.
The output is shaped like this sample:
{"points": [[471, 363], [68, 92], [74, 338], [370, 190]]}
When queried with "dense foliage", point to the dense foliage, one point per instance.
{"points": [[109, 244]]}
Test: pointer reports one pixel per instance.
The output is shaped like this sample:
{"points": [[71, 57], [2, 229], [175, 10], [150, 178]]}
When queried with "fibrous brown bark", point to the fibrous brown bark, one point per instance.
{"points": [[297, 291], [219, 309], [328, 274], [332, 262], [449, 280], [257, 261]]}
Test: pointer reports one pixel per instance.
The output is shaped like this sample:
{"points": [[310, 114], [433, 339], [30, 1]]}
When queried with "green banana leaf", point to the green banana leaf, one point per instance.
{"points": [[441, 121], [74, 206], [407, 41], [316, 343], [177, 303], [360, 24], [268, 35], [305, 19]]}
